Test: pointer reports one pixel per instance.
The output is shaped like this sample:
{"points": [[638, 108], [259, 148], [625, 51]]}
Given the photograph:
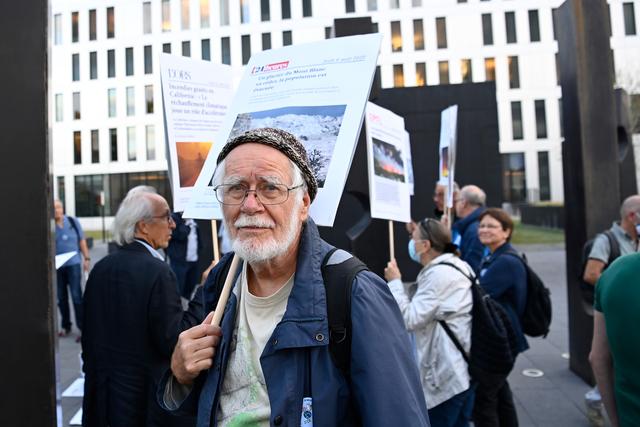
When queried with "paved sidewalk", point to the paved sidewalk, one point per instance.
{"points": [[555, 399]]}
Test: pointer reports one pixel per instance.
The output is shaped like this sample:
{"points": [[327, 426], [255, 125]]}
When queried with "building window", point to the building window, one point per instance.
{"points": [[128, 56], [514, 72], [204, 14], [396, 37], [265, 10], [350, 6], [544, 179], [629, 19], [57, 29], [205, 48], [224, 12], [148, 59], [534, 26], [95, 147], [225, 50], [166, 47], [92, 24], [516, 120], [443, 70], [87, 191], [418, 35], [441, 32], [541, 119], [510, 23], [150, 141], [131, 101], [327, 32], [111, 98], [111, 23], [113, 144], [131, 143], [287, 38], [398, 75], [554, 18], [372, 5], [75, 67], [244, 11], [186, 48], [166, 15], [111, 63], [306, 8], [465, 71], [93, 65], [421, 74], [146, 17], [490, 69], [59, 107], [285, 6], [148, 99], [560, 119], [76, 105], [513, 178], [487, 29], [266, 41], [246, 48], [394, 4], [61, 188], [185, 19], [416, 3], [74, 27], [77, 148]]}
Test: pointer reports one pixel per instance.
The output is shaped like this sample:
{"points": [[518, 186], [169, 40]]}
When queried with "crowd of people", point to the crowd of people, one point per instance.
{"points": [[279, 356]]}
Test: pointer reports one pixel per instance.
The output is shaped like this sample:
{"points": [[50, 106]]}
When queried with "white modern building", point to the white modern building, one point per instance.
{"points": [[105, 105]]}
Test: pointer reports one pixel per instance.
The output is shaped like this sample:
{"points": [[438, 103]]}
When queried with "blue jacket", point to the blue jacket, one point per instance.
{"points": [[384, 387], [504, 278], [465, 236]]}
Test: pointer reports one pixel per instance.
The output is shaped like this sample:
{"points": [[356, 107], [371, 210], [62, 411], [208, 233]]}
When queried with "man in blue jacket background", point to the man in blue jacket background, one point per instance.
{"points": [[272, 349], [469, 205]]}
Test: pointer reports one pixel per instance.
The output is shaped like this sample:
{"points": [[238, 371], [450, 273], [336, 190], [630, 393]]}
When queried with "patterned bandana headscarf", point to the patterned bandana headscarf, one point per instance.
{"points": [[282, 141]]}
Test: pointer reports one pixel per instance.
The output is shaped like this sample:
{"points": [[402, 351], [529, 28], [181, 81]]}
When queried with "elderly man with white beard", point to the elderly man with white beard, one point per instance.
{"points": [[270, 363]]}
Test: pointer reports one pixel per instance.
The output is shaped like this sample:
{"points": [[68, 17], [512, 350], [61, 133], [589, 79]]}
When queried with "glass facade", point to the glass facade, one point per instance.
{"points": [[541, 119], [111, 98], [205, 20], [465, 71], [266, 41], [418, 35], [421, 74], [516, 120], [74, 27], [148, 59], [443, 71], [441, 32], [534, 26], [510, 25], [111, 23], [396, 37], [92, 24], [225, 50], [246, 48], [186, 48], [146, 17], [132, 150], [287, 38], [490, 69], [77, 147], [93, 65], [629, 15], [148, 99], [59, 107], [306, 8], [265, 11], [544, 178], [205, 48], [131, 100], [487, 29], [76, 105], [398, 75], [113, 144], [95, 146], [166, 15], [150, 141], [75, 67], [285, 7], [514, 186], [57, 29], [514, 72], [128, 55], [111, 63], [185, 19]]}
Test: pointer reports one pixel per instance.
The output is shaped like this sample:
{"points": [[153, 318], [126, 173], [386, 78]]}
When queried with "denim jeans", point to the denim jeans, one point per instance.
{"points": [[70, 276], [454, 412]]}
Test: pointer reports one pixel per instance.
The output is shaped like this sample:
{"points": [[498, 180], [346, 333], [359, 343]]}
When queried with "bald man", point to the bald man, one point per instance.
{"points": [[470, 204]]}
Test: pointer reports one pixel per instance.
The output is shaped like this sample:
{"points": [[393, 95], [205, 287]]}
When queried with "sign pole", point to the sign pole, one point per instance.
{"points": [[214, 239], [392, 251]]}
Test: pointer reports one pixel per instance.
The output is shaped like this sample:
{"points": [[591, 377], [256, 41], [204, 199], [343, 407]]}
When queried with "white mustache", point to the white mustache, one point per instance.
{"points": [[253, 221]]}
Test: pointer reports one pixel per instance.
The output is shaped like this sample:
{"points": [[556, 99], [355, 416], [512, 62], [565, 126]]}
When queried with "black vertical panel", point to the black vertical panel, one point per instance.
{"points": [[26, 257], [590, 165]]}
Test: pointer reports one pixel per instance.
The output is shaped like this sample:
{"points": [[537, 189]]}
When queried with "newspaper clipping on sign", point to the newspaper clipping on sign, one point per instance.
{"points": [[448, 134], [316, 91], [195, 97]]}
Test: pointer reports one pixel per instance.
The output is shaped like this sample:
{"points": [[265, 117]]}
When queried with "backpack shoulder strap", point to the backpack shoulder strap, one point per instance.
{"points": [[339, 268], [614, 247], [72, 221], [468, 275]]}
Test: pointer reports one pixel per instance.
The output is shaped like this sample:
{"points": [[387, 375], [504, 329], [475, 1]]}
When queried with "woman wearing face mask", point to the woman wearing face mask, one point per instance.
{"points": [[443, 293], [504, 278]]}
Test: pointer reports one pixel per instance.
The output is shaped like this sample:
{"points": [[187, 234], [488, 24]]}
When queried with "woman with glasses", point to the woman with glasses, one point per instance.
{"points": [[443, 294], [504, 278]]}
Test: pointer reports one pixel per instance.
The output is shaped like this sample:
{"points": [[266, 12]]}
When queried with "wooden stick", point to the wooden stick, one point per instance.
{"points": [[226, 290], [214, 235], [392, 250]]}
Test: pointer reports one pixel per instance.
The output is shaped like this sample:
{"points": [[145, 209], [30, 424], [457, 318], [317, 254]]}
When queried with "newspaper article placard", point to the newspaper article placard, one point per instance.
{"points": [[316, 91], [195, 97], [448, 133], [408, 161], [386, 146]]}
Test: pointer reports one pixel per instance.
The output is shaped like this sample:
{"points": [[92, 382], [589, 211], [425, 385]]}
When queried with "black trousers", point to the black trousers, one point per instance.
{"points": [[494, 405]]}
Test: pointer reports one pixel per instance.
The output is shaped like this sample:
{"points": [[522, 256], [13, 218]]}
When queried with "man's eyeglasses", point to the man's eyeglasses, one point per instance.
{"points": [[167, 217], [267, 193]]}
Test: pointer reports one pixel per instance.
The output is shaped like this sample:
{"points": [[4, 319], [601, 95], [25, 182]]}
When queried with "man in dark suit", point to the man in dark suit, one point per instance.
{"points": [[132, 319], [183, 253]]}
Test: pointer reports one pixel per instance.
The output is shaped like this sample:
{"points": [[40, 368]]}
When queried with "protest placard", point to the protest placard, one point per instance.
{"points": [[195, 97], [448, 133], [316, 91]]}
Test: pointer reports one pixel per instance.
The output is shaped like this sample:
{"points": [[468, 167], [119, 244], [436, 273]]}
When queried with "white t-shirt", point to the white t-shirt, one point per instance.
{"points": [[244, 400]]}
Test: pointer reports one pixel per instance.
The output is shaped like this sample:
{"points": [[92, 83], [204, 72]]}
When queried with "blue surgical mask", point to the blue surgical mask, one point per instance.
{"points": [[412, 252]]}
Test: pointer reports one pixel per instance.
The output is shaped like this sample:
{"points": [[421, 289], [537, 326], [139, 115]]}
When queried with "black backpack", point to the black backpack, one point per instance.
{"points": [[536, 318], [338, 279], [588, 289], [494, 345]]}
